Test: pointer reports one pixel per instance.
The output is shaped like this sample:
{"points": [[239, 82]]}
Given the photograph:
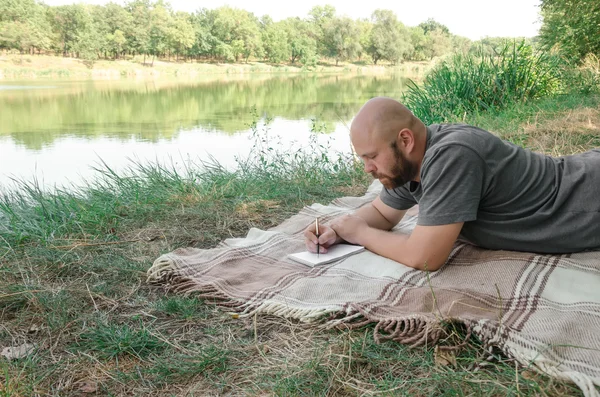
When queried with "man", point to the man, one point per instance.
{"points": [[468, 183]]}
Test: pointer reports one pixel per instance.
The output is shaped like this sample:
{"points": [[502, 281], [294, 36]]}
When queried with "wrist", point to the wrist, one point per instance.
{"points": [[365, 236]]}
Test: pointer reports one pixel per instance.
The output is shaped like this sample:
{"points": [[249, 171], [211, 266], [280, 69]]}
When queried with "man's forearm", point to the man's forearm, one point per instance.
{"points": [[395, 247], [373, 217]]}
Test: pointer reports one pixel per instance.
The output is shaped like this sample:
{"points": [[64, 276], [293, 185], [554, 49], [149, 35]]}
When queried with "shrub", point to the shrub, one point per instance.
{"points": [[471, 83]]}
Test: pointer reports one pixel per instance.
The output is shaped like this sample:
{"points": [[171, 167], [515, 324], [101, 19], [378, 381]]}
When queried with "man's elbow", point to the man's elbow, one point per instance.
{"points": [[428, 263]]}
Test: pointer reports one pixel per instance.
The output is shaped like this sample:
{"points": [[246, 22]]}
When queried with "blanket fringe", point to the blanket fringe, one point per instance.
{"points": [[185, 286], [347, 321], [278, 309], [162, 266], [412, 331]]}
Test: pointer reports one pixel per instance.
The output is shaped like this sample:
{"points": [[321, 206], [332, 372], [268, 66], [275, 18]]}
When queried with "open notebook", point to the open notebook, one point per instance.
{"points": [[334, 253]]}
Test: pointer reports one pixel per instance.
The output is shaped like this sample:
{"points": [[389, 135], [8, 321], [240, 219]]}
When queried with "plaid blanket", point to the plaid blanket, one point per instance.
{"points": [[543, 310]]}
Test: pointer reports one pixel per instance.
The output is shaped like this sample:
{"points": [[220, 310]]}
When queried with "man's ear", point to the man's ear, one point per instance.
{"points": [[406, 139]]}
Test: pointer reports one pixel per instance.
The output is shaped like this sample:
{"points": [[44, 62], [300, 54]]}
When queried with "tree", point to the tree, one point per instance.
{"points": [[205, 43], [17, 35], [113, 22], [300, 35], [87, 45], [431, 25], [438, 39], [116, 17], [573, 26], [152, 28], [181, 35], [365, 27], [17, 10], [419, 42], [460, 44], [138, 32], [224, 51], [75, 30], [160, 23], [251, 37], [493, 45], [341, 39], [437, 43], [238, 29], [320, 17], [24, 26], [389, 38], [115, 42], [275, 42]]}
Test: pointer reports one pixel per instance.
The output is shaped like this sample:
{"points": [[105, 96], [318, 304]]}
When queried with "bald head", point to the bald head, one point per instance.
{"points": [[383, 118], [390, 140]]}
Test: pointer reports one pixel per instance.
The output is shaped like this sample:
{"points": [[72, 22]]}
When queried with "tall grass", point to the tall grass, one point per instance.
{"points": [[117, 201], [584, 79], [467, 84]]}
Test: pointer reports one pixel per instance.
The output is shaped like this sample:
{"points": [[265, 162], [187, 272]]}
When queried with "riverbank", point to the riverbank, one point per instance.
{"points": [[31, 67], [72, 276]]}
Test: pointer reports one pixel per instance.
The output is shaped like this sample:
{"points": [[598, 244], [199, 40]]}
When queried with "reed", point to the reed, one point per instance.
{"points": [[468, 84]]}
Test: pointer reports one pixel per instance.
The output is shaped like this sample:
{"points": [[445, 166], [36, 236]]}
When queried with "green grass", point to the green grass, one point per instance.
{"points": [[186, 308], [175, 367], [111, 341], [466, 84], [72, 282], [512, 117]]}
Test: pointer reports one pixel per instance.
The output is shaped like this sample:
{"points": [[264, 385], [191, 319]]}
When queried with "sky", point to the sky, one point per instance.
{"points": [[474, 19]]}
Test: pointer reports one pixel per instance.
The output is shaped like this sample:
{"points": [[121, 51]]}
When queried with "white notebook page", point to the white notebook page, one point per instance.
{"points": [[335, 252]]}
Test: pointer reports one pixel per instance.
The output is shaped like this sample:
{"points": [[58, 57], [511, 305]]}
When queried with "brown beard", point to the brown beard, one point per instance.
{"points": [[402, 172]]}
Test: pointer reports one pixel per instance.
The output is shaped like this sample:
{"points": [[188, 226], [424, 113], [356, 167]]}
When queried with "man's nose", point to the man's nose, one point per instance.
{"points": [[369, 166]]}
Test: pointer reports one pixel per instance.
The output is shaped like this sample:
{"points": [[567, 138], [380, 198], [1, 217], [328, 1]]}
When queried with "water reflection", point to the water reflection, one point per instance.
{"points": [[60, 132], [71, 159]]}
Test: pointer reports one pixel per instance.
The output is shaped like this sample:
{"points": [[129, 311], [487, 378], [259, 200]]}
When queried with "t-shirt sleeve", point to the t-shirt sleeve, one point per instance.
{"points": [[398, 198], [452, 183]]}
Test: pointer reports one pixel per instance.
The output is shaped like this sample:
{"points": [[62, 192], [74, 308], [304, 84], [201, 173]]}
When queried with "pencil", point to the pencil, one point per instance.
{"points": [[317, 233]]}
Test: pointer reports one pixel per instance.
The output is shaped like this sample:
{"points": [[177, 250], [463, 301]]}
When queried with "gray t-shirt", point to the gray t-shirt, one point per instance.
{"points": [[508, 197]]}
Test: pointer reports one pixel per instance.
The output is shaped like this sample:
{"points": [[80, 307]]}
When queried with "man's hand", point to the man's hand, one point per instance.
{"points": [[327, 238], [376, 215], [351, 228]]}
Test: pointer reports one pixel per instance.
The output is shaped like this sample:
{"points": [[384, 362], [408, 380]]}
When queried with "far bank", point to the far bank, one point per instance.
{"points": [[33, 67]]}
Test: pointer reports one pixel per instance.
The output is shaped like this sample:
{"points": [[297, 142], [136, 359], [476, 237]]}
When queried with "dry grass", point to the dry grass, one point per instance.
{"points": [[568, 132], [254, 210]]}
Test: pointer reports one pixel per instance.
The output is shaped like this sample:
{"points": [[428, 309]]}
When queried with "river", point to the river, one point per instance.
{"points": [[57, 131]]}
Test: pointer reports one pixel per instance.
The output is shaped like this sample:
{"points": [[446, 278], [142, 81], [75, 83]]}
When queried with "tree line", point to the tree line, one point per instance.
{"points": [[153, 29]]}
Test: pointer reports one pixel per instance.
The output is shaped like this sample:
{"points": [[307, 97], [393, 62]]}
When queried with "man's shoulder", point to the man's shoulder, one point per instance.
{"points": [[459, 132], [464, 135]]}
